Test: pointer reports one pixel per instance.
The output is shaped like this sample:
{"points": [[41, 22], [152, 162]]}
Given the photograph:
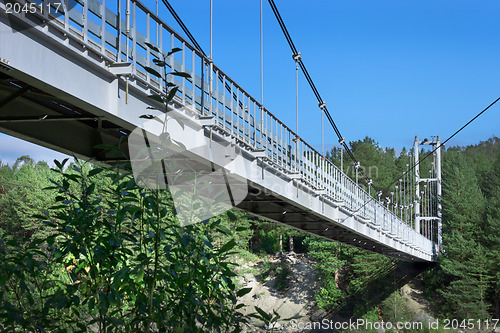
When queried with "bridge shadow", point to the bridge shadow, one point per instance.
{"points": [[380, 286]]}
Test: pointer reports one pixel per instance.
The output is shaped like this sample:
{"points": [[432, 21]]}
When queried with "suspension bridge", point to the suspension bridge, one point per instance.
{"points": [[73, 76]]}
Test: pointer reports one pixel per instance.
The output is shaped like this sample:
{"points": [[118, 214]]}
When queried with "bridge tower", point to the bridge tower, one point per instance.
{"points": [[428, 191]]}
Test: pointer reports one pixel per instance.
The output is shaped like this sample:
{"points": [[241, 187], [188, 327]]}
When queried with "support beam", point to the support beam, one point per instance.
{"points": [[44, 118], [14, 95]]}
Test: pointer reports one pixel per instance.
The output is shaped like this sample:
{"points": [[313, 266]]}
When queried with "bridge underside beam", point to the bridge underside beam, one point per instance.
{"points": [[34, 115], [276, 210]]}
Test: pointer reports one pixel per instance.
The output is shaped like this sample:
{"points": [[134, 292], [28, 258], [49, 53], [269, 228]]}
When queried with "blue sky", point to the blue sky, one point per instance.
{"points": [[388, 69]]}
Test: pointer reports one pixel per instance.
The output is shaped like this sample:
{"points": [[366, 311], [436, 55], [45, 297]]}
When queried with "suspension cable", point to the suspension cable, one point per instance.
{"points": [[197, 46], [183, 26], [308, 77]]}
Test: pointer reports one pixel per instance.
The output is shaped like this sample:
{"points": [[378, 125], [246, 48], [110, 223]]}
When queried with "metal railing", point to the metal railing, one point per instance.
{"points": [[121, 36]]}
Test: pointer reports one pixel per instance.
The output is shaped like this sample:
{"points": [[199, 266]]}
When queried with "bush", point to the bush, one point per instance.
{"points": [[117, 260]]}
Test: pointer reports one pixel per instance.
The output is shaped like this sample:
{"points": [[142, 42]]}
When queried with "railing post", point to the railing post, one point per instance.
{"points": [[85, 27]]}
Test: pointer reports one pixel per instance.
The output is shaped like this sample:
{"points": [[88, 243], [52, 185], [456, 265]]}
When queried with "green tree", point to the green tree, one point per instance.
{"points": [[492, 233], [22, 196], [464, 259], [330, 257]]}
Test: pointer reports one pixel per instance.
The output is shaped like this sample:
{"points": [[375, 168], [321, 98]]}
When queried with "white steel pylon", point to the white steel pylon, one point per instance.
{"points": [[428, 214]]}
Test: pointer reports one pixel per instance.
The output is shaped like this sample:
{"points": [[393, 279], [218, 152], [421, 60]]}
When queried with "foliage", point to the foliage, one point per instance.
{"points": [[127, 267], [21, 196], [464, 259], [330, 258], [492, 234], [267, 239], [282, 276], [270, 320], [394, 308], [236, 226], [110, 256], [270, 238]]}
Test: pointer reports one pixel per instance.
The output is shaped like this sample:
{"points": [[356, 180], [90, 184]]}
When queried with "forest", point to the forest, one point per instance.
{"points": [[83, 248]]}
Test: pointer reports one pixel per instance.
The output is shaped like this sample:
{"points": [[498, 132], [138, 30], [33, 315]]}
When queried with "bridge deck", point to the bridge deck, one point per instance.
{"points": [[63, 85]]}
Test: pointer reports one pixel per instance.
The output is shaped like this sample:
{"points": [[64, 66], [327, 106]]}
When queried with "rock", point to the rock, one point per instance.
{"points": [[423, 317], [291, 260], [275, 325], [318, 315]]}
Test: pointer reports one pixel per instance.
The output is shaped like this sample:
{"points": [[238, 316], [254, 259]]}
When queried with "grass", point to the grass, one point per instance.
{"points": [[282, 274], [245, 256], [280, 270]]}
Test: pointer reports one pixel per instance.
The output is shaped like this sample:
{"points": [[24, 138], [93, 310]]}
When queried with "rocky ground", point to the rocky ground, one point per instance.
{"points": [[298, 300]]}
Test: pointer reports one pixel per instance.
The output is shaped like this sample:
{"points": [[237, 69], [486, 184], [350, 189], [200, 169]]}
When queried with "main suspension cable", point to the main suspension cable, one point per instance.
{"points": [[183, 26], [321, 103]]}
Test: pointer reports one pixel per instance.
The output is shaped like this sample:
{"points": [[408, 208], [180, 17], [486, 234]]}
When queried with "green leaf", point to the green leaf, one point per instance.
{"points": [[181, 124], [95, 171], [174, 50], [263, 314], [140, 275], [172, 93], [223, 230], [157, 98], [152, 71], [183, 74], [152, 47], [59, 164], [243, 292], [74, 178], [90, 189], [231, 215], [185, 240], [51, 240], [159, 62], [228, 246]]}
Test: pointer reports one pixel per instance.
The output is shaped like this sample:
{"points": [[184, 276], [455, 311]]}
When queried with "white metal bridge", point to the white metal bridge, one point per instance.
{"points": [[72, 75]]}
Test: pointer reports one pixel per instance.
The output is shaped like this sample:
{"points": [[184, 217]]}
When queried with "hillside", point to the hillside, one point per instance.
{"points": [[83, 246]]}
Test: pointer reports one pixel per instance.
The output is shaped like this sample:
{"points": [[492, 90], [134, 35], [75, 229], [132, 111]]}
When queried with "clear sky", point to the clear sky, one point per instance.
{"points": [[388, 69]]}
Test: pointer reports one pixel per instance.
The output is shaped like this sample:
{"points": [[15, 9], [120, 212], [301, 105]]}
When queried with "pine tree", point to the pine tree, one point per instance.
{"points": [[330, 259], [464, 259], [22, 196], [492, 233]]}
